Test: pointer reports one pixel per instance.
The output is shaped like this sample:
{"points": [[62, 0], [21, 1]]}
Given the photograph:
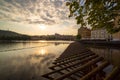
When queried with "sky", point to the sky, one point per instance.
{"points": [[36, 17]]}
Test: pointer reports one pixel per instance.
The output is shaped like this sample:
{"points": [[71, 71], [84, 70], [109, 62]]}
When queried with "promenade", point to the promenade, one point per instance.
{"points": [[101, 42]]}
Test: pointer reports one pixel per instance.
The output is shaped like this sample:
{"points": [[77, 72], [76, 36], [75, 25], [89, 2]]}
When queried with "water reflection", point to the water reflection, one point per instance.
{"points": [[112, 54], [29, 63], [42, 52]]}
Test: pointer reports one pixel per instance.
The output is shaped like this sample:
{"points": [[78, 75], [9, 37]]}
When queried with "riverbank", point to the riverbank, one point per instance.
{"points": [[79, 62], [101, 42]]}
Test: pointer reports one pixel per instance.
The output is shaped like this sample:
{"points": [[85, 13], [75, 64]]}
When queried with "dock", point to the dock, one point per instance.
{"points": [[80, 63]]}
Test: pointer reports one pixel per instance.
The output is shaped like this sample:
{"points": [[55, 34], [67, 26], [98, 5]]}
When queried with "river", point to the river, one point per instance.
{"points": [[28, 60], [109, 53]]}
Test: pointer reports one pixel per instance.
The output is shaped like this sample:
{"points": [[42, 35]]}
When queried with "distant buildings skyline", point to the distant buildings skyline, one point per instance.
{"points": [[9, 35]]}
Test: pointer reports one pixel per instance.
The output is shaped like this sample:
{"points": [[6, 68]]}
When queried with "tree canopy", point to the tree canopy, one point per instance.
{"points": [[96, 13]]}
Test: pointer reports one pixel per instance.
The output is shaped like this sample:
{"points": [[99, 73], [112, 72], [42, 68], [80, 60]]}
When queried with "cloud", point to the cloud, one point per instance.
{"points": [[36, 22], [33, 11]]}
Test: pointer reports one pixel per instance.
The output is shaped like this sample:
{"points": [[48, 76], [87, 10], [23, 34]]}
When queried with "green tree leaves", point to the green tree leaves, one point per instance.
{"points": [[99, 13]]}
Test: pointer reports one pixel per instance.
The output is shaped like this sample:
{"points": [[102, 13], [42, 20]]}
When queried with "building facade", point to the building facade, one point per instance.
{"points": [[100, 34], [116, 36], [84, 32]]}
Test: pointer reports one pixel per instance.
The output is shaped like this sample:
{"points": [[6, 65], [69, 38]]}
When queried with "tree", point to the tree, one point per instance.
{"points": [[78, 37], [96, 13]]}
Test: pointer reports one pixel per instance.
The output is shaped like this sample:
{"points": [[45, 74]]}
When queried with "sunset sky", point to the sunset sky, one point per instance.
{"points": [[36, 17]]}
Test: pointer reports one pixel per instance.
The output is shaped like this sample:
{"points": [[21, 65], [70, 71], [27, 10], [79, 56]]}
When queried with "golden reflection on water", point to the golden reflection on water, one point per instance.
{"points": [[30, 62], [42, 52], [42, 41]]}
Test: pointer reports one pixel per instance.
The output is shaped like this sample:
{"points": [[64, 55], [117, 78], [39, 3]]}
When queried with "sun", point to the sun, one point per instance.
{"points": [[42, 27]]}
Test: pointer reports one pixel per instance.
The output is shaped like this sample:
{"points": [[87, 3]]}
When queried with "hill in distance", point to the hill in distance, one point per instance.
{"points": [[10, 35]]}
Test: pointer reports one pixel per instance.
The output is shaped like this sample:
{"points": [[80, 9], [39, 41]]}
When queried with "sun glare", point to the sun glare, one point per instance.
{"points": [[42, 52], [42, 27]]}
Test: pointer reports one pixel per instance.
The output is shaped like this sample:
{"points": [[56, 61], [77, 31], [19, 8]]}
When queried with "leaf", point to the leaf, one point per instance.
{"points": [[99, 13]]}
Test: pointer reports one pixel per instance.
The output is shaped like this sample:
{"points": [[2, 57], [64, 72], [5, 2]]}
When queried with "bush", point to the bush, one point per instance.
{"points": [[78, 37]]}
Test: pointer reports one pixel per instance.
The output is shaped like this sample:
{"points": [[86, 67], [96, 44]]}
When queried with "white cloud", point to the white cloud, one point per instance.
{"points": [[34, 12], [37, 11]]}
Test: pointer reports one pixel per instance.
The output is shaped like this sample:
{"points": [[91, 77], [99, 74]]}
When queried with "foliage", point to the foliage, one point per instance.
{"points": [[96, 13], [78, 37], [23, 37]]}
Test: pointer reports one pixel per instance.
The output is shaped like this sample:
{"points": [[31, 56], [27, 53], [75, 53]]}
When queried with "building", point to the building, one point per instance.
{"points": [[100, 34], [84, 32], [64, 37], [103, 34], [116, 36]]}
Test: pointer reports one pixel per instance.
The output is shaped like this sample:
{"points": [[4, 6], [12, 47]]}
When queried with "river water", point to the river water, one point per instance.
{"points": [[28, 60], [111, 54]]}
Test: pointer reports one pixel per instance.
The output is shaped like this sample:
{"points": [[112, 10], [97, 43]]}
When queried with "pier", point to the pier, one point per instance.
{"points": [[80, 63]]}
